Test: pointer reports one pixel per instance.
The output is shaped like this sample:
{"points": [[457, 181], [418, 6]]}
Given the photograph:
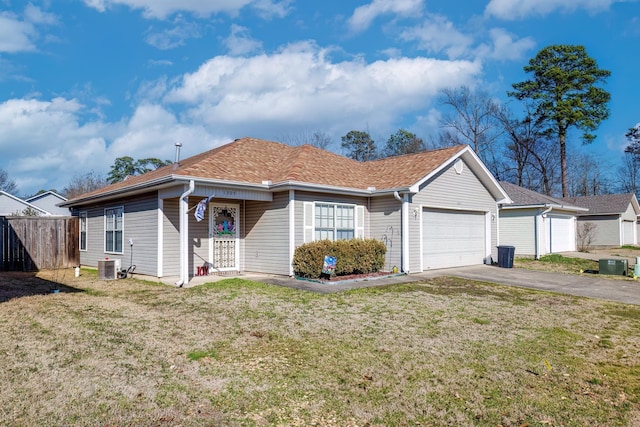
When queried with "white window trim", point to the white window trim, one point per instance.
{"points": [[309, 219], [83, 215], [104, 237]]}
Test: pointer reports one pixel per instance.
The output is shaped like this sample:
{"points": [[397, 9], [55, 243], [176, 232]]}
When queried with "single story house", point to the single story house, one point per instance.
{"points": [[613, 217], [11, 205], [257, 200], [536, 224], [49, 201]]}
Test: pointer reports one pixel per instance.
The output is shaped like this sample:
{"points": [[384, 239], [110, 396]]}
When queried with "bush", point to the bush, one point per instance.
{"points": [[355, 256]]}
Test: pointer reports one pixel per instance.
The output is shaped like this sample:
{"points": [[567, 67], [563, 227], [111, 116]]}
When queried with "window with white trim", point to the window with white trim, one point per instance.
{"points": [[334, 222], [113, 229], [83, 230]]}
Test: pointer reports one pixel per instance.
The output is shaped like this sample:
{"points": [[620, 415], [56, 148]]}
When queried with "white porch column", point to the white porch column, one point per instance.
{"points": [[292, 229]]}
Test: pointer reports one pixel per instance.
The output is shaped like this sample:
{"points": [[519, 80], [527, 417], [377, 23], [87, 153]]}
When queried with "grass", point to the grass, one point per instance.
{"points": [[441, 352]]}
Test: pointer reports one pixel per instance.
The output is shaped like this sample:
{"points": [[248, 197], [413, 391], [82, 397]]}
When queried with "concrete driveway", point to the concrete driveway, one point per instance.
{"points": [[584, 285]]}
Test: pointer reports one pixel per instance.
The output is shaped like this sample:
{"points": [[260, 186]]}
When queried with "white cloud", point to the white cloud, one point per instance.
{"points": [[20, 35], [36, 15], [300, 86], [174, 37], [160, 9], [504, 46], [240, 42], [16, 35], [363, 16], [437, 34], [153, 131], [46, 142], [519, 9]]}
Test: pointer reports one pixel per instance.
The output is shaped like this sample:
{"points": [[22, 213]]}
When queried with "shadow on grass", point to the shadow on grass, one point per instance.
{"points": [[23, 284]]}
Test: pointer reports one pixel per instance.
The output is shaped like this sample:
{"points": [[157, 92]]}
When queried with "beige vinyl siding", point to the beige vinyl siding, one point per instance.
{"points": [[171, 237], [386, 225], [607, 230], [518, 228], [266, 235], [450, 190], [139, 224]]}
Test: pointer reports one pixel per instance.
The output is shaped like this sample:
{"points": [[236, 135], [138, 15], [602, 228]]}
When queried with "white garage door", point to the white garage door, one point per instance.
{"points": [[453, 238], [561, 234], [627, 229]]}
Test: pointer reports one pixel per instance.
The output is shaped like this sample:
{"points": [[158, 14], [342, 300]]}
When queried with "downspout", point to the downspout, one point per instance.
{"points": [[404, 259], [543, 215], [184, 235]]}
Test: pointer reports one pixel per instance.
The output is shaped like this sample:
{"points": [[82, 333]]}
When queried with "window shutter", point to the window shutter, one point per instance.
{"points": [[308, 222], [360, 222]]}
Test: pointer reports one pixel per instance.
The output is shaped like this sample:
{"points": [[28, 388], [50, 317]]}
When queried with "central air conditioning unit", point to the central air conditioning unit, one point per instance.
{"points": [[108, 269]]}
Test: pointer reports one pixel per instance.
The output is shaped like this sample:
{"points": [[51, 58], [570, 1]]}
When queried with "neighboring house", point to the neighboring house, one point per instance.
{"points": [[433, 209], [613, 216], [49, 201], [14, 206], [536, 224]]}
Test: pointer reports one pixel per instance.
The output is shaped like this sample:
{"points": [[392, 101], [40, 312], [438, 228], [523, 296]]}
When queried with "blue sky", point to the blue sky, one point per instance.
{"points": [[83, 82]]}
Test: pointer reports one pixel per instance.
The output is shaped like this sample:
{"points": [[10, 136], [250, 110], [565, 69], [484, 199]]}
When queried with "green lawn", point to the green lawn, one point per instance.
{"points": [[443, 352]]}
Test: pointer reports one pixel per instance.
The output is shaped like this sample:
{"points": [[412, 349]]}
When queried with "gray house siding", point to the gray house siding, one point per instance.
{"points": [[450, 190], [607, 230], [386, 226], [198, 246], [9, 206], [171, 237], [266, 235], [139, 224], [518, 228]]}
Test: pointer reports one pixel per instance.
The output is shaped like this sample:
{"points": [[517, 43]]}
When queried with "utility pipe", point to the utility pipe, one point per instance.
{"points": [[184, 235]]}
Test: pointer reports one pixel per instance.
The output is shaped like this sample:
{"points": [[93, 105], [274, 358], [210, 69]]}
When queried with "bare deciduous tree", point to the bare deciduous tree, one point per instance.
{"points": [[585, 234], [81, 184]]}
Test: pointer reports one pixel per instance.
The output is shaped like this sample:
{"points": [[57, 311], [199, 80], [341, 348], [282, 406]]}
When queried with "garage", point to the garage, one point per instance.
{"points": [[561, 233], [627, 230], [453, 238]]}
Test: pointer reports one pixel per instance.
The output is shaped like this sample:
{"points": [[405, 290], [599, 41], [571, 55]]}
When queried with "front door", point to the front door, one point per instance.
{"points": [[223, 237]]}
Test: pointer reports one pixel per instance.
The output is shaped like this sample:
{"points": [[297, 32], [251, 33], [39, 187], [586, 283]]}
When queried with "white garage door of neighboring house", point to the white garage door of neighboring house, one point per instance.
{"points": [[561, 233], [453, 238], [627, 229]]}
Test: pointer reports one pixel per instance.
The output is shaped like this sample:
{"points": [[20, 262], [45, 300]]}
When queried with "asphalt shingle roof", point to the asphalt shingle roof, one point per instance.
{"points": [[524, 196], [602, 205], [252, 161]]}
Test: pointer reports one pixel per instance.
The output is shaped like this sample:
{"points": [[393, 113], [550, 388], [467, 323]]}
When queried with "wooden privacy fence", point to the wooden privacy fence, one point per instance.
{"points": [[38, 243]]}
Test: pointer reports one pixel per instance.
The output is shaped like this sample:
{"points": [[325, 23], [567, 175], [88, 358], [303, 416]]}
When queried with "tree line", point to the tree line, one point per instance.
{"points": [[523, 141]]}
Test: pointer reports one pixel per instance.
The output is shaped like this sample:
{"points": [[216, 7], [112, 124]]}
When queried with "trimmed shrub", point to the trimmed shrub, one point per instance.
{"points": [[355, 256]]}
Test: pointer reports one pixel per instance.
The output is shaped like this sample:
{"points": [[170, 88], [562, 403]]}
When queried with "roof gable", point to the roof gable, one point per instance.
{"points": [[46, 194]]}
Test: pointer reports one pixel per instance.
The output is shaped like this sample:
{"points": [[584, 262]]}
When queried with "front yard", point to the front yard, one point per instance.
{"points": [[442, 352]]}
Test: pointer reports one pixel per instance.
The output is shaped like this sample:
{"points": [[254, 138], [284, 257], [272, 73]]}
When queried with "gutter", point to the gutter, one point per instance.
{"points": [[184, 235]]}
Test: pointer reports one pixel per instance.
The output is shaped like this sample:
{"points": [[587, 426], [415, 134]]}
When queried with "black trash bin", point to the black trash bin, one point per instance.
{"points": [[505, 256]]}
